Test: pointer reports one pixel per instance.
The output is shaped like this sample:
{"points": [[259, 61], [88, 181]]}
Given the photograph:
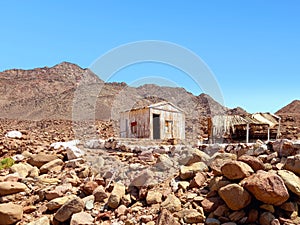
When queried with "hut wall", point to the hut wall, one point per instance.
{"points": [[135, 124], [172, 122]]}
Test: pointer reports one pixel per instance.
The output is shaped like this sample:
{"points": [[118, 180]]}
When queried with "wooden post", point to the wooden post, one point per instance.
{"points": [[247, 133], [278, 131], [268, 134]]}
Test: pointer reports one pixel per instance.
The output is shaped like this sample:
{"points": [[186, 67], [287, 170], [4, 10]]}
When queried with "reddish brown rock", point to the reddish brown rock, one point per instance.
{"points": [[254, 162], [166, 218], [236, 170], [10, 213], [267, 187], [89, 187], [41, 159], [293, 164], [235, 196], [210, 204], [284, 147], [198, 180], [8, 188]]}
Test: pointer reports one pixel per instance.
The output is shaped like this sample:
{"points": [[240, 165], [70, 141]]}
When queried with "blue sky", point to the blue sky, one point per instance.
{"points": [[252, 46]]}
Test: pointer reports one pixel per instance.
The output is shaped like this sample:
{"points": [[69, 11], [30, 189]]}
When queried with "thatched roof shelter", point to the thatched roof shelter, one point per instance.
{"points": [[223, 126]]}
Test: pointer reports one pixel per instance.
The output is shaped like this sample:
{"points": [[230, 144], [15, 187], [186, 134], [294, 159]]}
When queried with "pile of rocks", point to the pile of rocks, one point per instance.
{"points": [[106, 182]]}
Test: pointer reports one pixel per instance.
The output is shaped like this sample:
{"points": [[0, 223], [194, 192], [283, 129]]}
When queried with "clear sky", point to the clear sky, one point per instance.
{"points": [[252, 46]]}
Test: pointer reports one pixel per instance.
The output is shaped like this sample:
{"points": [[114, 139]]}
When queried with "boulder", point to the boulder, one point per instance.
{"points": [[116, 195], [172, 203], [166, 218], [195, 155], [54, 165], [254, 162], [41, 159], [100, 194], [267, 187], [284, 147], [10, 213], [143, 179], [153, 197], [82, 218], [22, 169], [187, 172], [218, 160], [164, 162], [236, 170], [210, 204], [293, 164], [198, 180], [71, 207], [89, 187], [235, 196], [14, 134], [291, 181], [8, 188], [194, 216], [56, 203]]}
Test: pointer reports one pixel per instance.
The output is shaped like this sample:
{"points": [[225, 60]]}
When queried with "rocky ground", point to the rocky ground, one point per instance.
{"points": [[48, 177]]}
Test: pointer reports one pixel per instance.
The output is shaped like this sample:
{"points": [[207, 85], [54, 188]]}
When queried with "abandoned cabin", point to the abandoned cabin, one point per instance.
{"points": [[240, 128], [162, 120]]}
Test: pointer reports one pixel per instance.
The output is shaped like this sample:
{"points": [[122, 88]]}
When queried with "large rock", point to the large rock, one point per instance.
{"points": [[235, 196], [172, 203], [54, 165], [75, 205], [41, 159], [194, 156], [14, 134], [116, 195], [44, 220], [59, 202], [255, 163], [82, 218], [293, 164], [10, 213], [187, 172], [8, 188], [291, 180], [145, 178], [218, 160], [198, 180], [210, 204], [267, 187], [100, 194], [22, 169], [166, 218], [236, 170], [284, 148], [153, 197], [193, 216], [164, 162]]}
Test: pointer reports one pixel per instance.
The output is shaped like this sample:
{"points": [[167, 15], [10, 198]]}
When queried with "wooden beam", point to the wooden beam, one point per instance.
{"points": [[247, 133]]}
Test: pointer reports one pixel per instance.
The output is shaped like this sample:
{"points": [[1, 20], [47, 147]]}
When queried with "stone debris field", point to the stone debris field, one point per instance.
{"points": [[49, 177]]}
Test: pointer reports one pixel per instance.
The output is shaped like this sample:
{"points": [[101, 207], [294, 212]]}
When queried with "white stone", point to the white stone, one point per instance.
{"points": [[13, 134]]}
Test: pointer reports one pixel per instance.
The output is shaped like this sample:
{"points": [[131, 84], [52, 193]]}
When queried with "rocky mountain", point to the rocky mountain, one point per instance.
{"points": [[292, 108], [65, 90], [290, 115]]}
